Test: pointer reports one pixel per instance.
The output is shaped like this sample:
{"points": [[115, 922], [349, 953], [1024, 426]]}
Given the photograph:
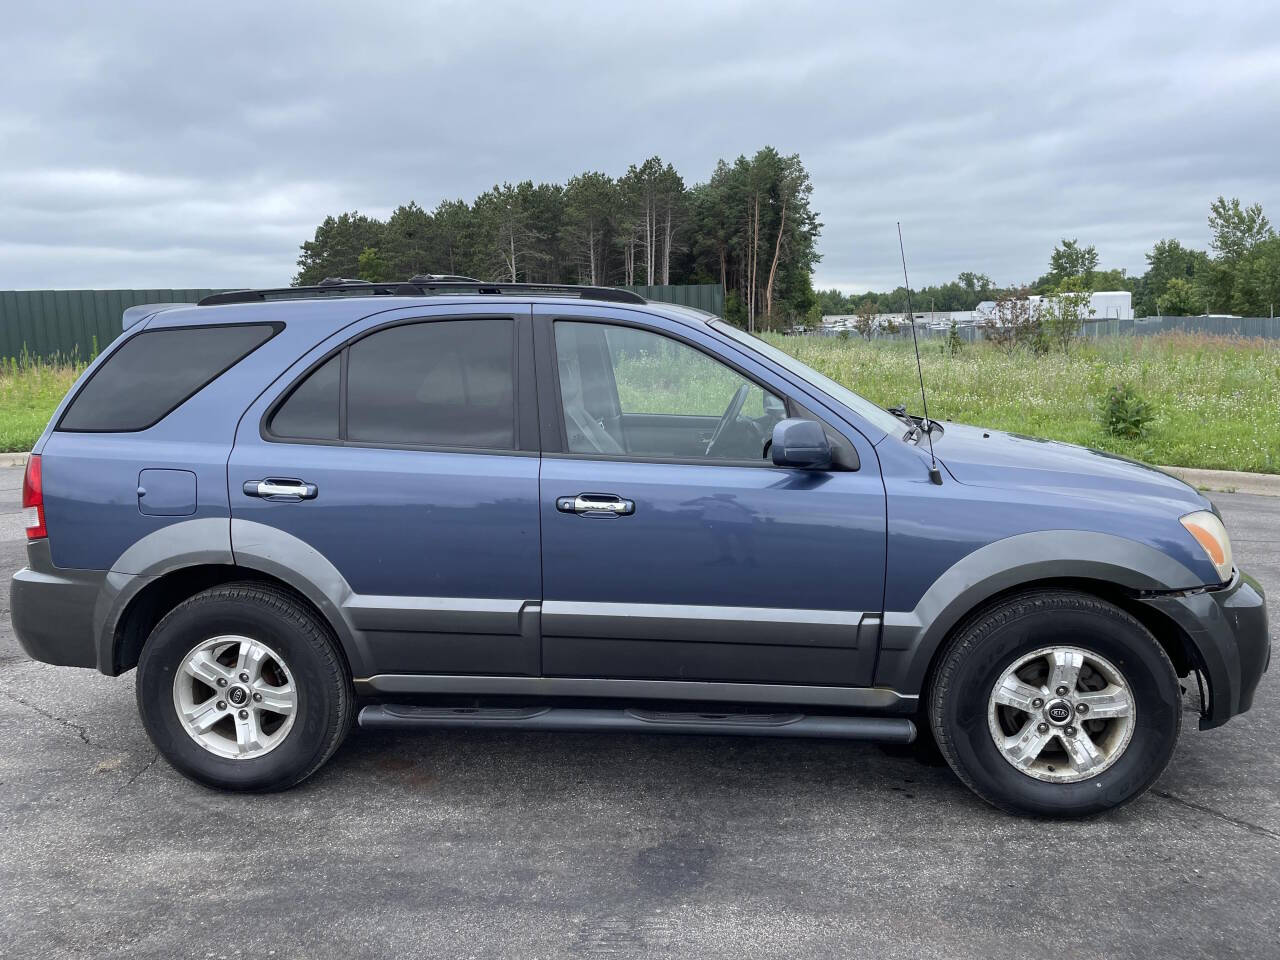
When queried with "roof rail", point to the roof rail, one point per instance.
{"points": [[440, 278], [419, 287]]}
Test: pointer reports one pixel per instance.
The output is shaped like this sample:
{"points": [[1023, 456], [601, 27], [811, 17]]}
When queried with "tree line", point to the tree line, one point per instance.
{"points": [[749, 227], [1240, 274]]}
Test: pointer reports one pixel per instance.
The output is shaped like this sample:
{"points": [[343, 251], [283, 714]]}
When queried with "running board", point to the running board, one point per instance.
{"points": [[405, 717]]}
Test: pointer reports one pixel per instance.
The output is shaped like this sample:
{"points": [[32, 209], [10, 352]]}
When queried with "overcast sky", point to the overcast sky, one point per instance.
{"points": [[178, 144]]}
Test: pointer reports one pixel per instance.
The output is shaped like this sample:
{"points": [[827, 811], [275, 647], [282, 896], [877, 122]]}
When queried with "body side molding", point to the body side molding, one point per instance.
{"points": [[701, 624]]}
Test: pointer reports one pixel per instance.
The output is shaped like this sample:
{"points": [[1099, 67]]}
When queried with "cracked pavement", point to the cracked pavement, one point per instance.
{"points": [[495, 844]]}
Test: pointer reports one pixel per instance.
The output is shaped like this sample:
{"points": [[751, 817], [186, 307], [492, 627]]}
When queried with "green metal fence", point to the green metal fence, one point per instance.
{"points": [[704, 296], [71, 324], [75, 324]]}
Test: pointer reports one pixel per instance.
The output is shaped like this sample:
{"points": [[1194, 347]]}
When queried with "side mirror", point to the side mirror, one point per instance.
{"points": [[802, 444]]}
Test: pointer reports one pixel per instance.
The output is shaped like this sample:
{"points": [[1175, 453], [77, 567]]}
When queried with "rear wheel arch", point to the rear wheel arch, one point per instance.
{"points": [[149, 605]]}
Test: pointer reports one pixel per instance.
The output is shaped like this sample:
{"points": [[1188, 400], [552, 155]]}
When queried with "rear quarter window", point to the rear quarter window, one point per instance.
{"points": [[155, 372]]}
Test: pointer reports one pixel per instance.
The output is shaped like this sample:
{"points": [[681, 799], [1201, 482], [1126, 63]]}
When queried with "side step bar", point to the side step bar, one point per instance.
{"points": [[405, 717]]}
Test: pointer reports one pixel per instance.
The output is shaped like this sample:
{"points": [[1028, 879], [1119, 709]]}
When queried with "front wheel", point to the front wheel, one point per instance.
{"points": [[1056, 703], [242, 687]]}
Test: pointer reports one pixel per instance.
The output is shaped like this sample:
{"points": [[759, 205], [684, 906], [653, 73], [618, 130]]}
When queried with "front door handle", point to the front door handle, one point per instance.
{"points": [[596, 505], [274, 488]]}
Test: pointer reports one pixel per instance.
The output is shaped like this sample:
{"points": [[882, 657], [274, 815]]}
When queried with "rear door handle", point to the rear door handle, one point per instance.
{"points": [[596, 505], [275, 488]]}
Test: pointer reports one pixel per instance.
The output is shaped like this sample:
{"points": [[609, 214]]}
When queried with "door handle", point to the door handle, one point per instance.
{"points": [[596, 504], [274, 488]]}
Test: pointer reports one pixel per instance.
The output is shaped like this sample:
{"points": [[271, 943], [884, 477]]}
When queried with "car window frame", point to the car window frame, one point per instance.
{"points": [[524, 427], [275, 326], [549, 394]]}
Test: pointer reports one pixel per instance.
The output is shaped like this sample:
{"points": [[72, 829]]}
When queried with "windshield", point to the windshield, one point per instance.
{"points": [[883, 419]]}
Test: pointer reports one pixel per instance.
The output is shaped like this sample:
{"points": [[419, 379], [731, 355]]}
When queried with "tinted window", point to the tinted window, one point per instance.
{"points": [[448, 383], [155, 372], [311, 411]]}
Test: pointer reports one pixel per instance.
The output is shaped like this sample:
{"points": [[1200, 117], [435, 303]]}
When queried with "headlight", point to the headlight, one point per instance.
{"points": [[1212, 537]]}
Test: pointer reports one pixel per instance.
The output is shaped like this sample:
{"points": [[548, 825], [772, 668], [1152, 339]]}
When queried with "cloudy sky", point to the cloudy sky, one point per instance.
{"points": [[178, 144]]}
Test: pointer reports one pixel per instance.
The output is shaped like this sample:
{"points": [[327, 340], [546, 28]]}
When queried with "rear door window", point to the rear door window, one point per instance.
{"points": [[155, 372], [442, 383], [310, 412]]}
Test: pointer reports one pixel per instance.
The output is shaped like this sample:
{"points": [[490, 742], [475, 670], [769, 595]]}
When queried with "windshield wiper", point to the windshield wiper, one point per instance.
{"points": [[913, 428]]}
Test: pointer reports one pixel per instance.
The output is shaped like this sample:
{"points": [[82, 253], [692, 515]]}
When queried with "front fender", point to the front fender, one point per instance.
{"points": [[910, 639]]}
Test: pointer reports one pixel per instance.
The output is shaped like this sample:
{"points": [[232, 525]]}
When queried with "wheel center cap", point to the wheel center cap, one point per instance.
{"points": [[1057, 712], [238, 696]]}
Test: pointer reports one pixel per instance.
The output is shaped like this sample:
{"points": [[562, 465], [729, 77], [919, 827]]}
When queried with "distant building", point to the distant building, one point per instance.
{"points": [[1107, 305], [938, 319]]}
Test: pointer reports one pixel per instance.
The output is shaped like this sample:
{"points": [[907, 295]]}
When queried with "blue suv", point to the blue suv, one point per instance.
{"points": [[445, 503]]}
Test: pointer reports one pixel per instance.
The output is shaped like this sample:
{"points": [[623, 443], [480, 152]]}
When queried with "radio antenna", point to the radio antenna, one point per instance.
{"points": [[935, 475]]}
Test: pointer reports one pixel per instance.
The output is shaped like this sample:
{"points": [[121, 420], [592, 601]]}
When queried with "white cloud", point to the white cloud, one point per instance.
{"points": [[163, 144]]}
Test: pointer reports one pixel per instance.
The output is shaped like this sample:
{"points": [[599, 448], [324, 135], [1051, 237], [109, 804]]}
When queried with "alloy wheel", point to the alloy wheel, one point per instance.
{"points": [[235, 697], [1061, 714]]}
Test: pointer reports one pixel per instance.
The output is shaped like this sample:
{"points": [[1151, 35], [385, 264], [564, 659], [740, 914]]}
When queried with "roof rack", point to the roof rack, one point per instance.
{"points": [[441, 278], [420, 286]]}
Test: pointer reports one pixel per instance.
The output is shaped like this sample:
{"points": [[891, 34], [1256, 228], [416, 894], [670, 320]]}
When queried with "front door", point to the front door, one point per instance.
{"points": [[672, 547], [396, 457]]}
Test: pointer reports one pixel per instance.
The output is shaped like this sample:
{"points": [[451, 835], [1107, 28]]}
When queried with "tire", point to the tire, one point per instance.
{"points": [[191, 664], [973, 686]]}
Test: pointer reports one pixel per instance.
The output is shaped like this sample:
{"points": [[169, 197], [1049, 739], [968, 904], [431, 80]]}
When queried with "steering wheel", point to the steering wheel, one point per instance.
{"points": [[730, 415]]}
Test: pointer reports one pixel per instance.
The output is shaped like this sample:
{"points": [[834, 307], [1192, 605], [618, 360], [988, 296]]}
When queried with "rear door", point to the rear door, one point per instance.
{"points": [[672, 547], [399, 462]]}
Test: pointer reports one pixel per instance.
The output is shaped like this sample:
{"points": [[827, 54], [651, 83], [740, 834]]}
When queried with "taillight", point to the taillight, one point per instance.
{"points": [[33, 499]]}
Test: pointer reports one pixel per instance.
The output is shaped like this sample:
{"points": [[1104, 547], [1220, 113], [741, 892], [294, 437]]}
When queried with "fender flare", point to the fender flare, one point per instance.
{"points": [[207, 542], [909, 640]]}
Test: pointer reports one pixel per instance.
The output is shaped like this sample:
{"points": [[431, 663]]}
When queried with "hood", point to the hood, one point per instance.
{"points": [[992, 458]]}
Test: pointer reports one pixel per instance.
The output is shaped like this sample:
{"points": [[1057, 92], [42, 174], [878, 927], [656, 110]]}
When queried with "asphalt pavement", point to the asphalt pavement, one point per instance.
{"points": [[492, 844]]}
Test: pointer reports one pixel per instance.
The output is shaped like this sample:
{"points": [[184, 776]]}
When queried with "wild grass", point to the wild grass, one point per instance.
{"points": [[30, 389], [1215, 400]]}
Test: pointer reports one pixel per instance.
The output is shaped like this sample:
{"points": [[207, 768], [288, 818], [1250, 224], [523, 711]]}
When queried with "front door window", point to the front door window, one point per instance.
{"points": [[632, 392]]}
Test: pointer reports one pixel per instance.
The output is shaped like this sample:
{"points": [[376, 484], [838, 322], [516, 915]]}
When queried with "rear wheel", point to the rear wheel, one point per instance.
{"points": [[1056, 703], [242, 687]]}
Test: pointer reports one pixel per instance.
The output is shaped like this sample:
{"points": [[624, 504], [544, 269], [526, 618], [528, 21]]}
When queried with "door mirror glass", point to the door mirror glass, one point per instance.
{"points": [[801, 444]]}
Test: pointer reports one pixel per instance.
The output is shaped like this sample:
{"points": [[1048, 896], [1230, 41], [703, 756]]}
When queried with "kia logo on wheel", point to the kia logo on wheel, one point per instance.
{"points": [[1059, 712]]}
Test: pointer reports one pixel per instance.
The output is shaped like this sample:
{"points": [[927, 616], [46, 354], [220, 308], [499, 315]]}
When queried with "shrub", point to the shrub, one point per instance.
{"points": [[1124, 413]]}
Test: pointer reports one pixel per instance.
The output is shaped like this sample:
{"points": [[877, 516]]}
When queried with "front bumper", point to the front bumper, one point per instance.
{"points": [[52, 609], [1228, 631]]}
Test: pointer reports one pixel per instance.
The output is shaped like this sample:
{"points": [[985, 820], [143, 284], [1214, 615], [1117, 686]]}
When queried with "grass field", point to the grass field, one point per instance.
{"points": [[29, 392], [1215, 400]]}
